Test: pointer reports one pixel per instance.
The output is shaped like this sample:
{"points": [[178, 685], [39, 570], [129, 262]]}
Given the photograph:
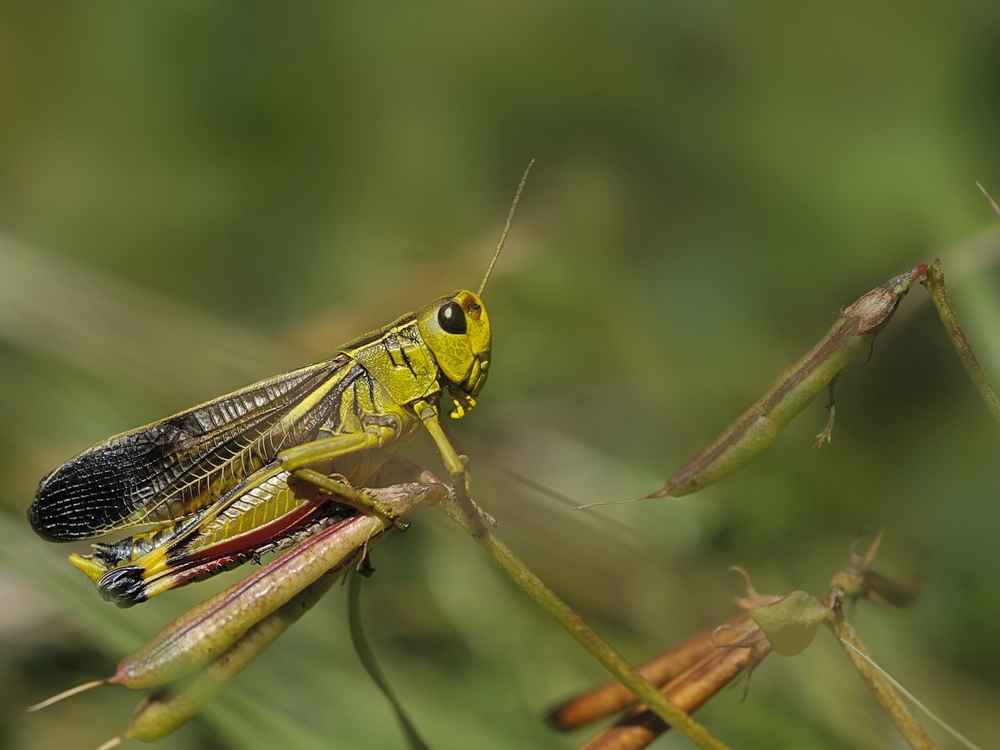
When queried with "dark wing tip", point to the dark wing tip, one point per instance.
{"points": [[64, 508], [38, 524], [53, 526]]}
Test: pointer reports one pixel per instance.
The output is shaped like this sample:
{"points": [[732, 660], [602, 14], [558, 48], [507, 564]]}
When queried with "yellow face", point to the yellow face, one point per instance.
{"points": [[456, 328]]}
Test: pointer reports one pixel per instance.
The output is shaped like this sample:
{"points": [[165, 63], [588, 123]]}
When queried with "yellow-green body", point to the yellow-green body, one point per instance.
{"points": [[221, 481], [227, 479]]}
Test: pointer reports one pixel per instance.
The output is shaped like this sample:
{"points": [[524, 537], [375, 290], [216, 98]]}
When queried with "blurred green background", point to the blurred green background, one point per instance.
{"points": [[196, 195]]}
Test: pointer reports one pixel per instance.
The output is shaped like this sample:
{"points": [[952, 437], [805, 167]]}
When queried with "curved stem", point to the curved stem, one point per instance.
{"points": [[547, 599]]}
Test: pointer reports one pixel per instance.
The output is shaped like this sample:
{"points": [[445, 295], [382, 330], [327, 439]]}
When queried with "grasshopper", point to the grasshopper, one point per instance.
{"points": [[229, 479]]}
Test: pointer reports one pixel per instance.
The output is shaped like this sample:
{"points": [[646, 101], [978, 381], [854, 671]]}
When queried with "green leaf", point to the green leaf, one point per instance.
{"points": [[790, 624]]}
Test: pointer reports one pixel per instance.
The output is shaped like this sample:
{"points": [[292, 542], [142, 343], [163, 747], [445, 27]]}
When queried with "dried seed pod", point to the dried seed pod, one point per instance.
{"points": [[689, 691], [613, 697], [167, 709], [753, 433]]}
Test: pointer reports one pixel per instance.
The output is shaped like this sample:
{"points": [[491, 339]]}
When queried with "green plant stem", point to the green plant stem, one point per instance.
{"points": [[939, 295], [371, 665], [891, 701], [572, 624]]}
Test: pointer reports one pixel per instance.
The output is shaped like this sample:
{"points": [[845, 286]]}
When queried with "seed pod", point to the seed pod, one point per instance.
{"points": [[753, 433], [690, 691], [167, 709]]}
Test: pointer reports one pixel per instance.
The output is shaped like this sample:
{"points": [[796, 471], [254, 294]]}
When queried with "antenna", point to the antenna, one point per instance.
{"points": [[506, 228], [988, 196]]}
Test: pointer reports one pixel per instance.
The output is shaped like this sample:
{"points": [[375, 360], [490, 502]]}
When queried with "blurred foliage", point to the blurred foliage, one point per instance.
{"points": [[207, 193]]}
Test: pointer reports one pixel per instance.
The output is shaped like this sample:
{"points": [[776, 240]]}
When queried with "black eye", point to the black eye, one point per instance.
{"points": [[451, 318]]}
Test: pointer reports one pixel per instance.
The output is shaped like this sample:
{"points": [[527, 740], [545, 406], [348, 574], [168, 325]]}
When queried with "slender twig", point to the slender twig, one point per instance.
{"points": [[547, 599], [934, 282], [892, 703]]}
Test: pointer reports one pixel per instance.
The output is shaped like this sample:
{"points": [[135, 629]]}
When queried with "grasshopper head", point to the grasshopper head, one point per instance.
{"points": [[456, 328]]}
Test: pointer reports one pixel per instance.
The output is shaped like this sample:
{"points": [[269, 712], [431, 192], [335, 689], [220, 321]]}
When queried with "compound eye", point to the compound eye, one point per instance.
{"points": [[452, 318]]}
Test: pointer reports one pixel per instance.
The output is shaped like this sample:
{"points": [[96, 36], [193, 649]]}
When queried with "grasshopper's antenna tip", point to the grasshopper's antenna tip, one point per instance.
{"points": [[113, 742], [988, 197], [66, 694], [506, 228]]}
